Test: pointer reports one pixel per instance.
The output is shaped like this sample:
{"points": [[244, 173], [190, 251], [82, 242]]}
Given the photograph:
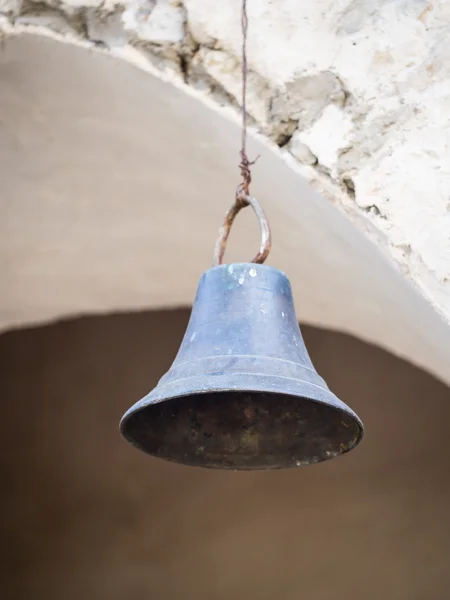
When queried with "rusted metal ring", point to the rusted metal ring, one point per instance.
{"points": [[243, 200]]}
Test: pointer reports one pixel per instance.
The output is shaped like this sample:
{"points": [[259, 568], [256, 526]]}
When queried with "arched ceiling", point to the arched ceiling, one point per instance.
{"points": [[114, 184]]}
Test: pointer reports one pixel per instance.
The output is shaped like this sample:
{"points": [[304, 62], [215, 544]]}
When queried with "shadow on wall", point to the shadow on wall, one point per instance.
{"points": [[87, 516]]}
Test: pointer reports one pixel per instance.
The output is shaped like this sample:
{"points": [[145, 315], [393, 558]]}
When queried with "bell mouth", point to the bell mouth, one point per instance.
{"points": [[242, 430]]}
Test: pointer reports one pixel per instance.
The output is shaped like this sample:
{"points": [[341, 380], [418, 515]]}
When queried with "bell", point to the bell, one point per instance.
{"points": [[242, 392]]}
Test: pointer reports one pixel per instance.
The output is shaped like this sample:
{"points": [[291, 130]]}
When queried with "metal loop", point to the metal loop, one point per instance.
{"points": [[243, 200]]}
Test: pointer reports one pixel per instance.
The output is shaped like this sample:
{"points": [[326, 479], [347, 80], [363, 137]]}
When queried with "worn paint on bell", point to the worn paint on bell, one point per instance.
{"points": [[245, 395]]}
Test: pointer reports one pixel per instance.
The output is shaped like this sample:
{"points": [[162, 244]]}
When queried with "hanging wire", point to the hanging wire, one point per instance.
{"points": [[245, 164], [243, 197]]}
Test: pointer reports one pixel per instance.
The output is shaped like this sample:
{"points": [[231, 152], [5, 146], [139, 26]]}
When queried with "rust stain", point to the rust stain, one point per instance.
{"points": [[424, 13]]}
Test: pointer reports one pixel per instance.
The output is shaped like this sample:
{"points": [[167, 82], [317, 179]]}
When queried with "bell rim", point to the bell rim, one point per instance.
{"points": [[269, 384]]}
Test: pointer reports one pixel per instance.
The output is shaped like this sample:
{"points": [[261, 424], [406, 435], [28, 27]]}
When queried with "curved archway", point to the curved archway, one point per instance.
{"points": [[113, 186]]}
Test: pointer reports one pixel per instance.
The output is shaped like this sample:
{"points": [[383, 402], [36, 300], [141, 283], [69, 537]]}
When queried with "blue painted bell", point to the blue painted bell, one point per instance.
{"points": [[242, 392]]}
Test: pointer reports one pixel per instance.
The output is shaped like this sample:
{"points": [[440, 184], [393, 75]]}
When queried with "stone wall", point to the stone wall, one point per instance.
{"points": [[357, 91]]}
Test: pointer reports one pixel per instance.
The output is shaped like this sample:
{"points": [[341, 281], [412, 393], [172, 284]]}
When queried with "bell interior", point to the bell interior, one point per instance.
{"points": [[242, 430]]}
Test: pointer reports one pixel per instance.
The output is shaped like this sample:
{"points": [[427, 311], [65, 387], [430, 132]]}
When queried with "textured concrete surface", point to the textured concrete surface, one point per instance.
{"points": [[84, 515]]}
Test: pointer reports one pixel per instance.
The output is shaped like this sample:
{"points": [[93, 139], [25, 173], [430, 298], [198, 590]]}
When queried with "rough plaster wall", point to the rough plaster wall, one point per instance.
{"points": [[357, 91], [87, 516], [367, 84]]}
